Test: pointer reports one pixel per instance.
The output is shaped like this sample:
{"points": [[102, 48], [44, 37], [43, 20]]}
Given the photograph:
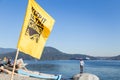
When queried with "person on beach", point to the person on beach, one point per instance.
{"points": [[2, 69], [81, 65], [7, 68]]}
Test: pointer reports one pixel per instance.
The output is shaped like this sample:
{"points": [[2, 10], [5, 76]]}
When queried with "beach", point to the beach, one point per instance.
{"points": [[16, 77]]}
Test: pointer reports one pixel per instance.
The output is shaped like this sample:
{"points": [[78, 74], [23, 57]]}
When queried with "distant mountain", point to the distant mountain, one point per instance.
{"points": [[114, 57], [51, 53], [6, 50]]}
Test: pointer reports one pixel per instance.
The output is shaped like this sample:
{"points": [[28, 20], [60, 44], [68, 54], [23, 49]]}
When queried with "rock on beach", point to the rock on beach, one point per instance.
{"points": [[85, 76]]}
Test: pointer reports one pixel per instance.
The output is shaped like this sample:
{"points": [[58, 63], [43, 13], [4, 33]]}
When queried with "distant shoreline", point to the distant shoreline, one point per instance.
{"points": [[51, 53]]}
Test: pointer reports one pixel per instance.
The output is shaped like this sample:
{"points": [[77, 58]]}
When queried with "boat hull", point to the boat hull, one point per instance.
{"points": [[39, 75]]}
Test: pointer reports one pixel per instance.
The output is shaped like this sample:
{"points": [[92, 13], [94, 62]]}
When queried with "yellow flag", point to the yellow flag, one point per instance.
{"points": [[35, 30]]}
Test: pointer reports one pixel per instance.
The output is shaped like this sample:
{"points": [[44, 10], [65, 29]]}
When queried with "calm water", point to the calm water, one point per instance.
{"points": [[105, 70]]}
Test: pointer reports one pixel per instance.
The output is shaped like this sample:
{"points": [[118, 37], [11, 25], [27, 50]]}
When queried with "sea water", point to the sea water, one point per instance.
{"points": [[104, 69]]}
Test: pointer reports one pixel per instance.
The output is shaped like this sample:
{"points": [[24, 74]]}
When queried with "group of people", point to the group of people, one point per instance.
{"points": [[6, 65], [6, 61]]}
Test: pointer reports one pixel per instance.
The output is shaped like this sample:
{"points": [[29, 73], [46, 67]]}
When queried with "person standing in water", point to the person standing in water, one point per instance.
{"points": [[81, 65]]}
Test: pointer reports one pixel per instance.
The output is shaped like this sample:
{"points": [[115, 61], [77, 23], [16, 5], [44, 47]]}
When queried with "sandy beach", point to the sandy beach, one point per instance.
{"points": [[16, 77]]}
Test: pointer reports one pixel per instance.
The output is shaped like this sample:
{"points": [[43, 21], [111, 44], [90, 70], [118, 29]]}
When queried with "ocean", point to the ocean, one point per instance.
{"points": [[104, 69]]}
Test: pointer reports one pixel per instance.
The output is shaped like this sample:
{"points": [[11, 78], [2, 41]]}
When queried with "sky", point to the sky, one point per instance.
{"points": [[90, 27]]}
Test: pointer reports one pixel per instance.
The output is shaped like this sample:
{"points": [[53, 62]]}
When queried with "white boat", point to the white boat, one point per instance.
{"points": [[39, 75]]}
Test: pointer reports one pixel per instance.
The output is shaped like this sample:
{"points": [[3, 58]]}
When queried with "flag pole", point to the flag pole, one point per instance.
{"points": [[14, 64]]}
